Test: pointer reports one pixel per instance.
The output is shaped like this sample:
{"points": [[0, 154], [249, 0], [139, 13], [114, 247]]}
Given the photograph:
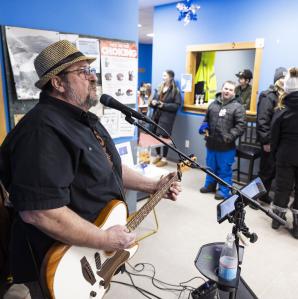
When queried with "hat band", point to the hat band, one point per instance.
{"points": [[67, 59]]}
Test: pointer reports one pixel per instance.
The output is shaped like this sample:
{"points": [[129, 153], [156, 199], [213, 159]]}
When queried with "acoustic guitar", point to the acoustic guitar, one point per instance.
{"points": [[73, 272]]}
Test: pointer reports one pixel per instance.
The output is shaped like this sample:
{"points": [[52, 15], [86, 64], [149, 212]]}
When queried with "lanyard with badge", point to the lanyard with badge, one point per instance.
{"points": [[222, 112]]}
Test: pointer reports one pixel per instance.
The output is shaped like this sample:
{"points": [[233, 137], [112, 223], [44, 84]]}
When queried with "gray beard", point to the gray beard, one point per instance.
{"points": [[91, 102], [74, 99]]}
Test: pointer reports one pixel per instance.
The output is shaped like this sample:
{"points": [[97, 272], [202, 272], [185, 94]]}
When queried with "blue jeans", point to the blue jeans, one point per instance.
{"points": [[220, 163]]}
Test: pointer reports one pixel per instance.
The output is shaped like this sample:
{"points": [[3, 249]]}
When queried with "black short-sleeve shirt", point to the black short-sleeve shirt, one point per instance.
{"points": [[53, 159]]}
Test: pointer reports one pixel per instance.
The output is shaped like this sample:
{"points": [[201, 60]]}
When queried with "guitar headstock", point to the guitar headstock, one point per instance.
{"points": [[185, 165]]}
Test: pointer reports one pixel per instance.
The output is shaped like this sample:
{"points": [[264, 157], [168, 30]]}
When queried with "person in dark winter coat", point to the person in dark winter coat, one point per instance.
{"points": [[165, 104], [223, 124], [284, 144], [267, 102]]}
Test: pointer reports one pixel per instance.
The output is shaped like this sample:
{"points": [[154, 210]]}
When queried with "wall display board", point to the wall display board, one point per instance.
{"points": [[90, 47], [114, 58], [23, 46], [119, 69]]}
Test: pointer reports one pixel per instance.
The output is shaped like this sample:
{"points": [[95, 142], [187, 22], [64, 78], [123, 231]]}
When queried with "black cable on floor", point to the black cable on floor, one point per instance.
{"points": [[139, 289], [177, 288]]}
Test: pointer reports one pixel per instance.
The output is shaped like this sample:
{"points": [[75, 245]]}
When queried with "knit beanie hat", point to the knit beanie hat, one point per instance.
{"points": [[279, 73], [291, 80]]}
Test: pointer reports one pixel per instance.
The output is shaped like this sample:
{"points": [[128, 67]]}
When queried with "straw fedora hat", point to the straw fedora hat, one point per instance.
{"points": [[55, 58]]}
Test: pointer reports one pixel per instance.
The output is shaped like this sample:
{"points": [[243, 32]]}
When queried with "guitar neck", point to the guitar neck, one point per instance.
{"points": [[151, 203]]}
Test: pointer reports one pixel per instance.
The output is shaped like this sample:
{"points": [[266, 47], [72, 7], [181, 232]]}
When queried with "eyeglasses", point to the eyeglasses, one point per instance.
{"points": [[87, 71]]}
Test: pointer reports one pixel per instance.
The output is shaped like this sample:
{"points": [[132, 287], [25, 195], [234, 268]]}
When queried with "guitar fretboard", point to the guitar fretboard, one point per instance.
{"points": [[151, 203]]}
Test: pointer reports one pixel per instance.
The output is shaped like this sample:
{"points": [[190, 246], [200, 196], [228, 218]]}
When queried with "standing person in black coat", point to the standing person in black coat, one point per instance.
{"points": [[268, 100], [223, 124], [165, 104], [284, 144]]}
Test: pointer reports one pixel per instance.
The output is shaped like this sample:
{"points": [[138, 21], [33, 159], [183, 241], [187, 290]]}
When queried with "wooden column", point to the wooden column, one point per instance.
{"points": [[256, 78], [3, 130]]}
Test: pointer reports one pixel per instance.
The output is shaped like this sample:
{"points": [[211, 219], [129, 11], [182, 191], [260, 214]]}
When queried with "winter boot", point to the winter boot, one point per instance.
{"points": [[281, 212], [209, 189], [219, 195], [295, 224]]}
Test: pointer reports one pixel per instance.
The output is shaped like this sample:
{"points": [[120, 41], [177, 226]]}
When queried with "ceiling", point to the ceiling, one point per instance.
{"points": [[146, 8]]}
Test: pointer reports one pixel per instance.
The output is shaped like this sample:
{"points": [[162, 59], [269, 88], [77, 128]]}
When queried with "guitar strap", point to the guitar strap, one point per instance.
{"points": [[109, 157]]}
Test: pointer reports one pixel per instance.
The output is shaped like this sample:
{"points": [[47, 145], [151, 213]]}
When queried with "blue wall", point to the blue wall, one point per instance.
{"points": [[222, 22], [110, 19], [145, 64], [228, 21]]}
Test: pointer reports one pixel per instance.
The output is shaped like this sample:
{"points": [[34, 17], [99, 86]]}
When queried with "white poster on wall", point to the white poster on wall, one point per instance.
{"points": [[119, 70], [125, 153], [110, 120], [125, 128], [23, 46], [70, 37], [90, 47], [119, 66], [186, 82], [115, 123]]}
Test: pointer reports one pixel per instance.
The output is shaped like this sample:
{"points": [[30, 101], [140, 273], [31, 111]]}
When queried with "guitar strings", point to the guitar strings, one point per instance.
{"points": [[135, 221]]}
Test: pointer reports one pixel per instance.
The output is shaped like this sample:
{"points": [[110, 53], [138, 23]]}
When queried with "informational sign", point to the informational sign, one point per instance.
{"points": [[186, 82], [119, 70], [119, 66], [90, 47], [124, 150]]}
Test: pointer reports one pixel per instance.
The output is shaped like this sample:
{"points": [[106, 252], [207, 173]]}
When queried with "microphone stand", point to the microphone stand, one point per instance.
{"points": [[238, 218], [194, 164]]}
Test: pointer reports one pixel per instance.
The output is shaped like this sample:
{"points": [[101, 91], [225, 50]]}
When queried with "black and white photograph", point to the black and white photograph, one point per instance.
{"points": [[23, 46]]}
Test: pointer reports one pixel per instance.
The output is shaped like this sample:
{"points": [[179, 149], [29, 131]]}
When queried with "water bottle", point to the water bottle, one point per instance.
{"points": [[228, 262]]}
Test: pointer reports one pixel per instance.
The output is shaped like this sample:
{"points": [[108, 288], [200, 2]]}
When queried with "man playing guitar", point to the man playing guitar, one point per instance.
{"points": [[61, 168]]}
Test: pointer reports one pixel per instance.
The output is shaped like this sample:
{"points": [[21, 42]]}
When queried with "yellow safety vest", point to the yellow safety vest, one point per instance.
{"points": [[206, 73]]}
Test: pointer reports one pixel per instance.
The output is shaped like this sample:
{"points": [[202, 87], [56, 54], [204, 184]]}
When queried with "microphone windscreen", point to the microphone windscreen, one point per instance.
{"points": [[105, 99]]}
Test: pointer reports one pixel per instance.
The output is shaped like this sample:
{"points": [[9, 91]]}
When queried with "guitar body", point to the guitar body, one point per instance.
{"points": [[84, 273]]}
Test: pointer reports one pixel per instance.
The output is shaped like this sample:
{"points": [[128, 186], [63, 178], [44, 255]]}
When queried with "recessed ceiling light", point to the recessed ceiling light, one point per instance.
{"points": [[139, 25], [150, 34]]}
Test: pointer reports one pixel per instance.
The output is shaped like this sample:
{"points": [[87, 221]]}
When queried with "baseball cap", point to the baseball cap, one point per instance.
{"points": [[246, 74]]}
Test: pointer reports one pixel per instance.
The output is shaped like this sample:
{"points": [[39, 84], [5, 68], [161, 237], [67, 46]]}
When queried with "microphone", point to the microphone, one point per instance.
{"points": [[112, 103]]}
